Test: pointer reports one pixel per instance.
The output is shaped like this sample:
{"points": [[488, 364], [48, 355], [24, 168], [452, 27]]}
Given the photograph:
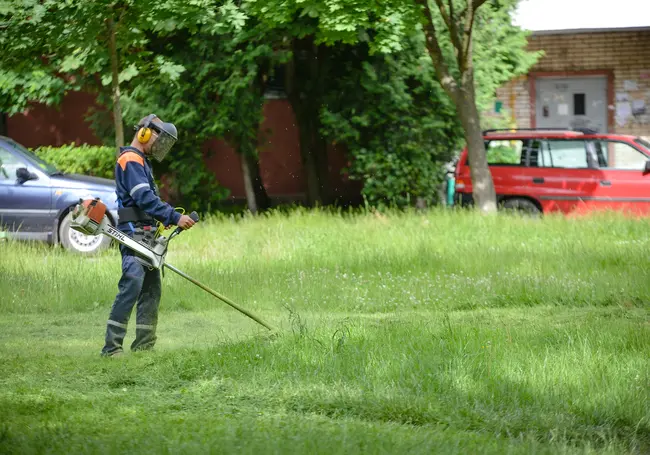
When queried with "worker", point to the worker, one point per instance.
{"points": [[139, 207]]}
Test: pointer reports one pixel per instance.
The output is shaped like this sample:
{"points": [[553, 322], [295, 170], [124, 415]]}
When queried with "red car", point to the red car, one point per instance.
{"points": [[567, 171]]}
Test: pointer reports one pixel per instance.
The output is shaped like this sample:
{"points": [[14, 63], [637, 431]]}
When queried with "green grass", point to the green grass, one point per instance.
{"points": [[438, 333]]}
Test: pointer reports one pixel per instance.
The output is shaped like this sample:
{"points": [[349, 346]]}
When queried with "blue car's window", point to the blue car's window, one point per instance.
{"points": [[33, 159], [8, 165]]}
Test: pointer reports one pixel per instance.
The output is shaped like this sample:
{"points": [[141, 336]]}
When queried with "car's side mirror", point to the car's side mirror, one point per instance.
{"points": [[23, 175], [646, 168]]}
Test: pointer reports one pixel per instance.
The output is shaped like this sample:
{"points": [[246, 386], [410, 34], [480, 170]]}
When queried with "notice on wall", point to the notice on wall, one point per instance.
{"points": [[623, 113], [630, 85], [638, 107], [563, 109], [622, 96]]}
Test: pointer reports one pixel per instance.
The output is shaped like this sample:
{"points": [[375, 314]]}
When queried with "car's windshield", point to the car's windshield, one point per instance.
{"points": [[35, 160], [643, 142]]}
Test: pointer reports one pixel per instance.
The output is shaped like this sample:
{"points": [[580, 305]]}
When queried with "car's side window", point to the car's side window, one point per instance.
{"points": [[619, 155], [8, 165], [562, 153], [505, 152]]}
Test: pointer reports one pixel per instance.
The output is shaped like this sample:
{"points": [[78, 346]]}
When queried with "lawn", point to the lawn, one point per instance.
{"points": [[415, 333]]}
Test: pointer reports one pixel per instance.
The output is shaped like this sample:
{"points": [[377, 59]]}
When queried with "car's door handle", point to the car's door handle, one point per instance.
{"points": [[538, 180], [605, 183]]}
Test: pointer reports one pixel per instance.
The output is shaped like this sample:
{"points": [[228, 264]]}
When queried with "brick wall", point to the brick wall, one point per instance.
{"points": [[280, 162], [625, 54]]}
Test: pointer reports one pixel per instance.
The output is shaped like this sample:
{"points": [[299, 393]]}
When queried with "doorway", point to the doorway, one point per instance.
{"points": [[572, 102]]}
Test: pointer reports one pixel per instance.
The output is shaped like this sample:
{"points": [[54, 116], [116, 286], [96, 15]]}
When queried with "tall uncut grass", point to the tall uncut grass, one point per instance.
{"points": [[442, 332]]}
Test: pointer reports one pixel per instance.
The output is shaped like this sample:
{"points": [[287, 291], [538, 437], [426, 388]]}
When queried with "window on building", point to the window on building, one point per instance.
{"points": [[619, 155], [579, 104], [505, 152]]}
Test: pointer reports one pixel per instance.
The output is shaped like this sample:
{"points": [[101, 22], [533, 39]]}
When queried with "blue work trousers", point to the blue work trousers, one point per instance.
{"points": [[138, 285]]}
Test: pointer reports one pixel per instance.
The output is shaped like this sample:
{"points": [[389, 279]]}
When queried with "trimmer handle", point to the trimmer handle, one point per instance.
{"points": [[178, 230]]}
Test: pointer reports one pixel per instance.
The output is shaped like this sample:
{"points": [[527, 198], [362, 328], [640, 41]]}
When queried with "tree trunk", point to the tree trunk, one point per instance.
{"points": [[3, 124], [463, 94], [256, 195], [115, 87], [482, 184], [308, 154], [306, 76]]}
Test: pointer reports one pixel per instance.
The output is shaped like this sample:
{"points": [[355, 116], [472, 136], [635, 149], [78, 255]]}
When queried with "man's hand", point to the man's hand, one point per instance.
{"points": [[185, 222]]}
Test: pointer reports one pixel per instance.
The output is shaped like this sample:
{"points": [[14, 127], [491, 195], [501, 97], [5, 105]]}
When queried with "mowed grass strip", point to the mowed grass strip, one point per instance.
{"points": [[445, 333]]}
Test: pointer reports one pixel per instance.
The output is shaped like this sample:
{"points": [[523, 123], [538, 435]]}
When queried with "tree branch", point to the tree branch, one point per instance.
{"points": [[121, 18], [452, 27], [435, 52], [115, 85], [477, 3], [470, 18]]}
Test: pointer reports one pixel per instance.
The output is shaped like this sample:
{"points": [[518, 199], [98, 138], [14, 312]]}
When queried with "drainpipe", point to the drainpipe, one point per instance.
{"points": [[513, 99]]}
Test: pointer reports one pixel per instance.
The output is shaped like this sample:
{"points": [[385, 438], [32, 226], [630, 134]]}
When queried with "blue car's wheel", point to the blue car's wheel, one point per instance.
{"points": [[80, 243]]}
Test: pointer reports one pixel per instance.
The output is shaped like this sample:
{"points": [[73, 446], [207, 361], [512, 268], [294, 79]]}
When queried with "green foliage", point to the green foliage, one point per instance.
{"points": [[73, 37], [52, 46], [222, 99], [395, 120], [396, 123], [202, 64], [499, 51], [17, 90], [98, 161], [28, 66], [381, 24], [503, 154]]}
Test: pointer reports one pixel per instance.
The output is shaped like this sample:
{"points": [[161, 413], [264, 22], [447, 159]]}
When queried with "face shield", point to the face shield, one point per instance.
{"points": [[166, 138]]}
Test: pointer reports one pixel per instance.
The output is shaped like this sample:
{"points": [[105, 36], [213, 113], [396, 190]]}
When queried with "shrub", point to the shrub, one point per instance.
{"points": [[98, 161], [396, 122]]}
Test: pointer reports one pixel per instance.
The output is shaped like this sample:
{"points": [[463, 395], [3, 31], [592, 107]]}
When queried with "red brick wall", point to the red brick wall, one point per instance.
{"points": [[280, 155], [280, 162], [42, 125]]}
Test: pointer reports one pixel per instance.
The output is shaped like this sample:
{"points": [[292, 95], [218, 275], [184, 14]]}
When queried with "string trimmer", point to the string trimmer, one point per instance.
{"points": [[89, 217]]}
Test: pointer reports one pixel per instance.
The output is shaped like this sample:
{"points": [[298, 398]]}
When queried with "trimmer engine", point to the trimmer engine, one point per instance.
{"points": [[89, 217]]}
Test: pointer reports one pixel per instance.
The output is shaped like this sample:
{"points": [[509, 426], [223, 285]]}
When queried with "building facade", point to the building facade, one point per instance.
{"points": [[589, 78]]}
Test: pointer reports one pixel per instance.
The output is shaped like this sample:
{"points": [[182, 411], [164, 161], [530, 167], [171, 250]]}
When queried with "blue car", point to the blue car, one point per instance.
{"points": [[36, 200]]}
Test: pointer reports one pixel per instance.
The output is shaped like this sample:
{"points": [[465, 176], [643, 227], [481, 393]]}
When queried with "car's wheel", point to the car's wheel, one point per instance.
{"points": [[522, 206], [80, 243]]}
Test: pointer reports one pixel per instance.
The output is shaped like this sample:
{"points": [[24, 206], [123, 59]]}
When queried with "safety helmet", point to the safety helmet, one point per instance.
{"points": [[167, 135]]}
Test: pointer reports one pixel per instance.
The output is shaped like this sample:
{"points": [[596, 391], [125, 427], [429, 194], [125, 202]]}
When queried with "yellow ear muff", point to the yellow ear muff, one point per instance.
{"points": [[144, 135]]}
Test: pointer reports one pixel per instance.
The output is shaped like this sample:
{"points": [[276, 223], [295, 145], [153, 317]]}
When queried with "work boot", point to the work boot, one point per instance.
{"points": [[119, 353]]}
